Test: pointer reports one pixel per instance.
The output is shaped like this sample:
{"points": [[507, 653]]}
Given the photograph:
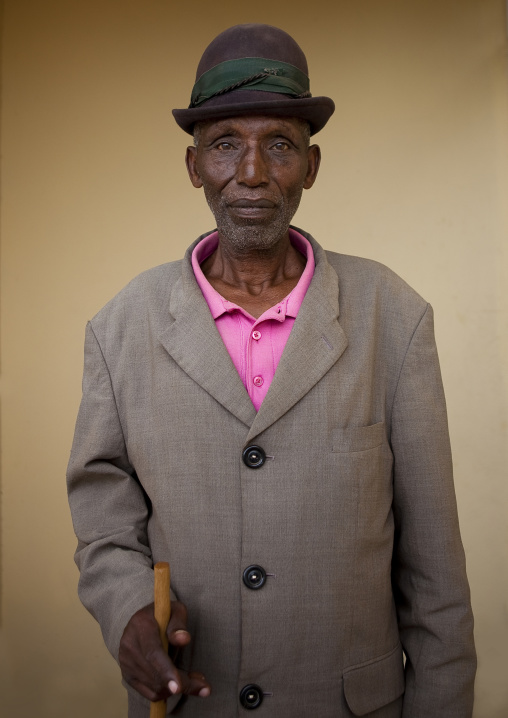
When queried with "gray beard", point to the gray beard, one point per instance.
{"points": [[248, 234]]}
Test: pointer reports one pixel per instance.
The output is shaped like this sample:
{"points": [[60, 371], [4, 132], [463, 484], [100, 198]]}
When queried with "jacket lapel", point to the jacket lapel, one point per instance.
{"points": [[195, 344], [316, 342], [314, 345]]}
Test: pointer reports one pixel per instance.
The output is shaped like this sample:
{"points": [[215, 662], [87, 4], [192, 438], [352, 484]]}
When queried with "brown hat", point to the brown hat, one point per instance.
{"points": [[254, 69]]}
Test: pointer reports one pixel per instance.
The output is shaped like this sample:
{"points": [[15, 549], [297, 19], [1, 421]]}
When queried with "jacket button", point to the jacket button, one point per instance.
{"points": [[254, 577], [251, 696], [253, 456]]}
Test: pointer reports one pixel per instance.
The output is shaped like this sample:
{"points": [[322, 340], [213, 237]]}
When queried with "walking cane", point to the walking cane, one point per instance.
{"points": [[162, 612]]}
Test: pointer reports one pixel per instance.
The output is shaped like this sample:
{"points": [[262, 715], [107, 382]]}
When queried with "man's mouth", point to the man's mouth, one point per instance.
{"points": [[261, 202], [251, 208]]}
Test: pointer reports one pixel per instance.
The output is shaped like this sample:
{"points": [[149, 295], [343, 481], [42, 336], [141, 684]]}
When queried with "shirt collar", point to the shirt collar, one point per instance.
{"points": [[288, 306]]}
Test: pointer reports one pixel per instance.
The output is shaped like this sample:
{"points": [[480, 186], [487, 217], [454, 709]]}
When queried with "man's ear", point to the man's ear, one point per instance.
{"points": [[191, 164], [314, 160]]}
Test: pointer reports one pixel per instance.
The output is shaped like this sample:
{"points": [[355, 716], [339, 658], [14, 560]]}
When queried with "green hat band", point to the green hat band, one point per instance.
{"points": [[250, 73]]}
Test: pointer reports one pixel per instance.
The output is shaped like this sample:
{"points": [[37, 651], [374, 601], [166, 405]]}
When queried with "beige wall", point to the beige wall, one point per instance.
{"points": [[94, 190]]}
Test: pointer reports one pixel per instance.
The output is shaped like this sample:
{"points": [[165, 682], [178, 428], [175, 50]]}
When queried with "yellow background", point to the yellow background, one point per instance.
{"points": [[94, 190]]}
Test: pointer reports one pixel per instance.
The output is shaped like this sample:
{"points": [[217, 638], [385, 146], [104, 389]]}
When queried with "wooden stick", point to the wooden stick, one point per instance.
{"points": [[162, 612]]}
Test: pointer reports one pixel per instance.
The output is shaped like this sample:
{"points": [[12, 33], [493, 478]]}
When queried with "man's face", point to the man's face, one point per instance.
{"points": [[253, 171]]}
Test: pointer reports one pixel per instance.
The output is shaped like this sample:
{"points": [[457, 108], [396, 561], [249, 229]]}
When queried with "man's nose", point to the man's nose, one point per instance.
{"points": [[252, 169]]}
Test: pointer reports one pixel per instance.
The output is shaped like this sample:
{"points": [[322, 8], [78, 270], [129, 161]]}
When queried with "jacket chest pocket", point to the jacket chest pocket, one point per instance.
{"points": [[353, 439], [363, 460]]}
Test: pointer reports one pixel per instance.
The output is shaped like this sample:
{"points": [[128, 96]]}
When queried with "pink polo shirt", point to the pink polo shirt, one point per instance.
{"points": [[254, 345]]}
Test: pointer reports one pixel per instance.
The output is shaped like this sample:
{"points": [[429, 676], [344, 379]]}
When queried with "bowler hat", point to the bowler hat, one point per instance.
{"points": [[254, 69]]}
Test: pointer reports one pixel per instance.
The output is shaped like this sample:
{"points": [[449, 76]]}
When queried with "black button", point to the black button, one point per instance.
{"points": [[254, 577], [253, 456], [251, 696]]}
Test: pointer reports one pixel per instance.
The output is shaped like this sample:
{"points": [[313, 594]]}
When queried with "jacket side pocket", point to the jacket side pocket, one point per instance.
{"points": [[372, 685]]}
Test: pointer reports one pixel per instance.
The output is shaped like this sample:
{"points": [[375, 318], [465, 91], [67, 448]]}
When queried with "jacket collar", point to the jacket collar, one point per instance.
{"points": [[316, 342]]}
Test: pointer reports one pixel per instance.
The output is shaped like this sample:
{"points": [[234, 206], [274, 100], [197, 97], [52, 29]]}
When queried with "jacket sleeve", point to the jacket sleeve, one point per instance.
{"points": [[429, 577], [109, 507]]}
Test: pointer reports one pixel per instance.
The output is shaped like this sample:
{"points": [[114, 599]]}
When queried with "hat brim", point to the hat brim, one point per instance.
{"points": [[315, 110]]}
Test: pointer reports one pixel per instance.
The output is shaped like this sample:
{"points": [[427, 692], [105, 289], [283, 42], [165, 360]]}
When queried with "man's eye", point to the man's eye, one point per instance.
{"points": [[224, 146], [281, 146]]}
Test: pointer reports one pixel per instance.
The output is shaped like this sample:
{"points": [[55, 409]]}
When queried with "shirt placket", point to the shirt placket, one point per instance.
{"points": [[257, 347], [260, 353]]}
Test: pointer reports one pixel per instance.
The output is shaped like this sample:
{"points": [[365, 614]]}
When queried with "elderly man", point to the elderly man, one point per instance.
{"points": [[269, 418]]}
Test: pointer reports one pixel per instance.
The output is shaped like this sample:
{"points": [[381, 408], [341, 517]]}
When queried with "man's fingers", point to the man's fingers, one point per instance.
{"points": [[145, 691], [195, 684], [150, 674], [175, 681], [147, 667], [177, 628], [190, 684], [165, 671], [205, 691]]}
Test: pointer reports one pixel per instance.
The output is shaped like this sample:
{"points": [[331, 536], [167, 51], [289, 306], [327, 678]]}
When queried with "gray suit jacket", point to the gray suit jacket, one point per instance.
{"points": [[354, 517]]}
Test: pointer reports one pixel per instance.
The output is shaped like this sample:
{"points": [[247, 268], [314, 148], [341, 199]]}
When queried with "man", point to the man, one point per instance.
{"points": [[269, 418]]}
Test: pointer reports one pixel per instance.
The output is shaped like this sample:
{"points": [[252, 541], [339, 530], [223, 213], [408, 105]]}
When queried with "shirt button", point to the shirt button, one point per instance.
{"points": [[254, 577], [251, 696], [258, 381], [256, 335]]}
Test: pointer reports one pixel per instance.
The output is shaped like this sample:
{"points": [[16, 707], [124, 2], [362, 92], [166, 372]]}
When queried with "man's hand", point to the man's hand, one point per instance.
{"points": [[145, 665]]}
